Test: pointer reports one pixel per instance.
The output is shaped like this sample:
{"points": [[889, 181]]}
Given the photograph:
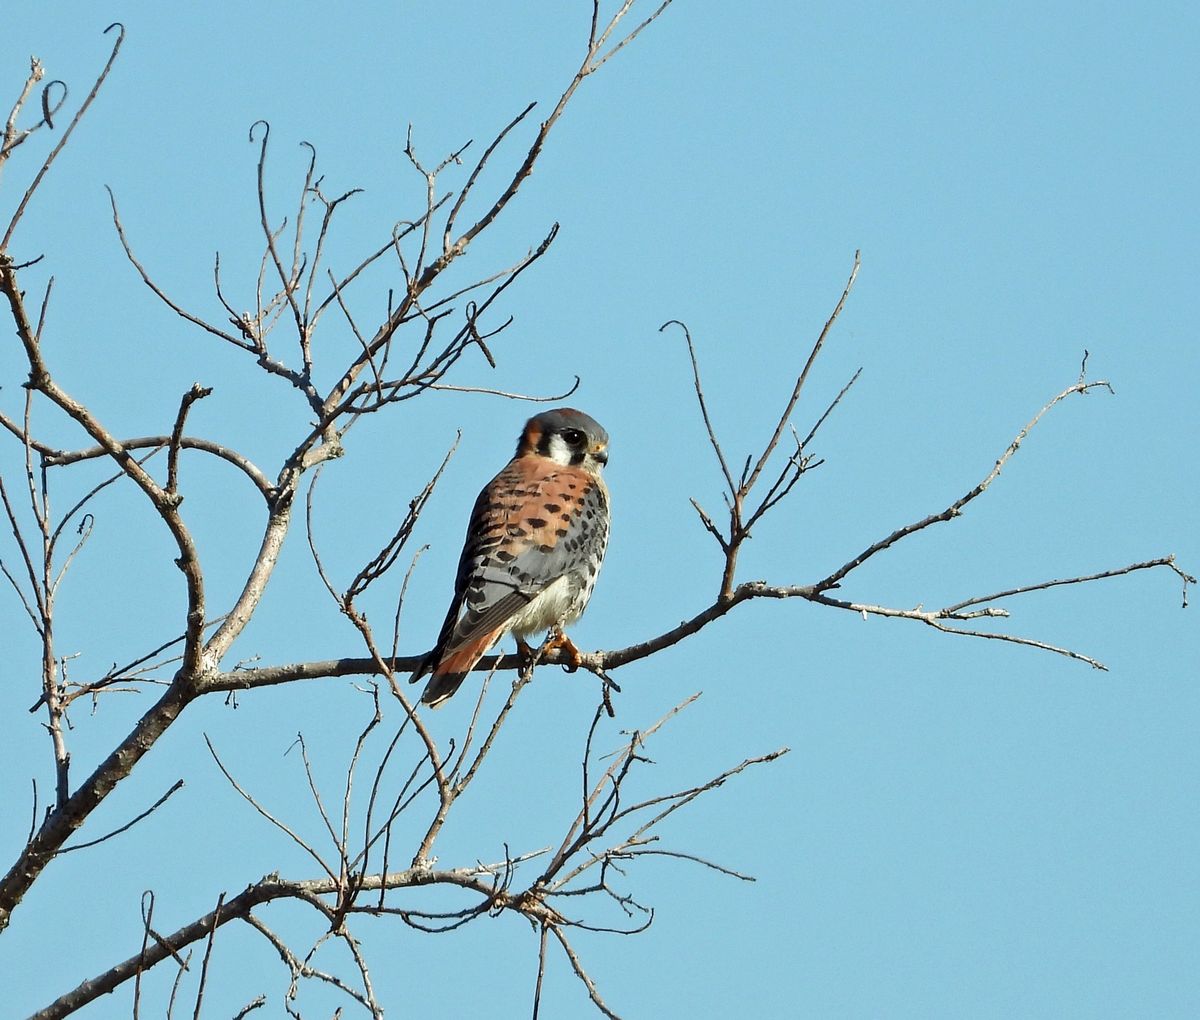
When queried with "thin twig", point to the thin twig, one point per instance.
{"points": [[208, 948], [543, 932], [577, 967], [175, 788], [281, 826], [803, 377], [66, 137], [1161, 561], [954, 509], [195, 320], [299, 968]]}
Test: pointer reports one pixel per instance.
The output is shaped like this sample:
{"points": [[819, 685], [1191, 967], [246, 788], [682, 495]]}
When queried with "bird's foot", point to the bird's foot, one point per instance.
{"points": [[524, 650], [557, 641]]}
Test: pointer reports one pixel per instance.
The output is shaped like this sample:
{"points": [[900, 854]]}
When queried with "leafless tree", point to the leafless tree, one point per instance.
{"points": [[365, 862]]}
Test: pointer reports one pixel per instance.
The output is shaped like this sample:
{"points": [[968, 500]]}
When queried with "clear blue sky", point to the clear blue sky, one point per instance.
{"points": [[962, 828]]}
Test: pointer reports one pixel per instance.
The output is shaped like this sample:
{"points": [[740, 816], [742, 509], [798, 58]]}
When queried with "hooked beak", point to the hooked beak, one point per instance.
{"points": [[600, 454]]}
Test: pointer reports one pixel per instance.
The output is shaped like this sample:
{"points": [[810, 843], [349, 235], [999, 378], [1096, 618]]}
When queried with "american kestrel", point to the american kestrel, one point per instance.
{"points": [[533, 548]]}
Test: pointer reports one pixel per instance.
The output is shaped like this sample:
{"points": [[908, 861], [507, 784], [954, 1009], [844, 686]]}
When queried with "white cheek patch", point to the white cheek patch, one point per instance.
{"points": [[559, 451]]}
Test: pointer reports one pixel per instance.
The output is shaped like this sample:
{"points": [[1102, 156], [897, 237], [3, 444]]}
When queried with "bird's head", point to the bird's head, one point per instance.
{"points": [[567, 437]]}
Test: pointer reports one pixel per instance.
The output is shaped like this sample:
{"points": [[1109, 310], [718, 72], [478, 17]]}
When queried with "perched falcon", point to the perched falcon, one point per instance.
{"points": [[533, 549]]}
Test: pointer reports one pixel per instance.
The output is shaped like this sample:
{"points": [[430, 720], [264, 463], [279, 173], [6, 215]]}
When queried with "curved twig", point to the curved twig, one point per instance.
{"points": [[49, 160]]}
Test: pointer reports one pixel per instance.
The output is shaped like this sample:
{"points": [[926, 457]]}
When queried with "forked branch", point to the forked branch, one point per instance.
{"points": [[742, 518]]}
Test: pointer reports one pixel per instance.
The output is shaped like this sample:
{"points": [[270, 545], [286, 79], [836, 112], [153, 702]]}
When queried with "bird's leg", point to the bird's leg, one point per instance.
{"points": [[523, 649], [557, 641]]}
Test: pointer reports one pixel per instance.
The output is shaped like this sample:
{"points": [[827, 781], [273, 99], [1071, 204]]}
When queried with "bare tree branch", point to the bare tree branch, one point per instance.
{"points": [[281, 826], [12, 137], [577, 967], [66, 137], [175, 788], [421, 328], [41, 380], [954, 509], [197, 392], [266, 890], [599, 661], [58, 458]]}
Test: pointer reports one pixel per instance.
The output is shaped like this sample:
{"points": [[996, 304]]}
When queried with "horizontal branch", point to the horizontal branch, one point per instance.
{"points": [[600, 661], [61, 458], [1161, 561]]}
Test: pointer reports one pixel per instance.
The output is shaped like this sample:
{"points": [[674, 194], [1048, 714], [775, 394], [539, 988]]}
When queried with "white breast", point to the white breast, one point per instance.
{"points": [[559, 604]]}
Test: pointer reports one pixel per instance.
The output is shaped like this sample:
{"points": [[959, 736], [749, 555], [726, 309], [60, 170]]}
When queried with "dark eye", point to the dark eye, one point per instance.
{"points": [[573, 437]]}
